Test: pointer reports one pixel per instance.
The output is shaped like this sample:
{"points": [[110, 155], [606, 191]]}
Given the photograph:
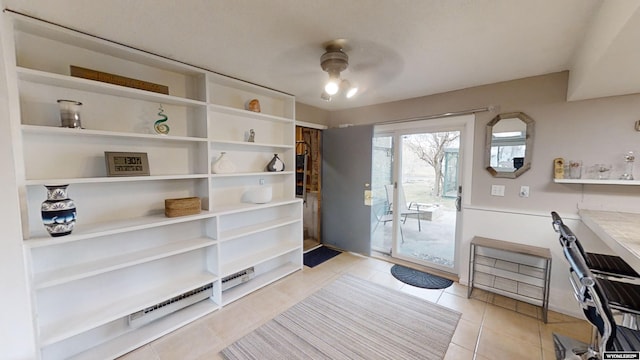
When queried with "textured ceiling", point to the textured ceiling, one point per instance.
{"points": [[398, 49]]}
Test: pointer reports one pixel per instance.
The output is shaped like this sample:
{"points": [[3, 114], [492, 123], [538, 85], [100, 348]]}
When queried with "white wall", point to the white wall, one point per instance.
{"points": [[311, 114], [600, 130]]}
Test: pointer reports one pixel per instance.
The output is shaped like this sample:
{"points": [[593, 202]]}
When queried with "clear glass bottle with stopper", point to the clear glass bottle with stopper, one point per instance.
{"points": [[628, 172]]}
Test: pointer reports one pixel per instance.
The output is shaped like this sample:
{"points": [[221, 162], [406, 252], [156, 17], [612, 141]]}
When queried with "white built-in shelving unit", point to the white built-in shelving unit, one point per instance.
{"points": [[124, 254]]}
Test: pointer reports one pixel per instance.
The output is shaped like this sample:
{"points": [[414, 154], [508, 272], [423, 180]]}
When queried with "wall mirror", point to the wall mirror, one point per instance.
{"points": [[509, 145]]}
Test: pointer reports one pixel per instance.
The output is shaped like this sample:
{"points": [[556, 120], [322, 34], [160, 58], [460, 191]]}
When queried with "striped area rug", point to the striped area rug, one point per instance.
{"points": [[352, 318]]}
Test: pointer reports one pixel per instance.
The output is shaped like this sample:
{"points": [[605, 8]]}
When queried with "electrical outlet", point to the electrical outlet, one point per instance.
{"points": [[261, 181], [524, 191], [497, 190]]}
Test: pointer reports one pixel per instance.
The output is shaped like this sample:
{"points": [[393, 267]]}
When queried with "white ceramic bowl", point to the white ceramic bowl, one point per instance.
{"points": [[258, 195]]}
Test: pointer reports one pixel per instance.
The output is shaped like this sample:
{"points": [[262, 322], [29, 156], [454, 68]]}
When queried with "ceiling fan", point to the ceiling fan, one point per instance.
{"points": [[334, 61]]}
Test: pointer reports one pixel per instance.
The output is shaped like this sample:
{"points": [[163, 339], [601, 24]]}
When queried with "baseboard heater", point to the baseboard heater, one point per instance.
{"points": [[147, 315], [238, 278]]}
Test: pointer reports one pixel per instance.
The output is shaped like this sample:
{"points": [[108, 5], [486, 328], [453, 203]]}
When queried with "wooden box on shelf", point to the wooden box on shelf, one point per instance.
{"points": [[182, 206]]}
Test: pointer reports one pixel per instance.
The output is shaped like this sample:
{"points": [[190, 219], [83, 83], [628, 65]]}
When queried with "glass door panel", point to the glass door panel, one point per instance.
{"points": [[381, 178], [426, 196]]}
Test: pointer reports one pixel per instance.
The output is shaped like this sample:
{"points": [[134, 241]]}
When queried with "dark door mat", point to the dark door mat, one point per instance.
{"points": [[319, 255], [418, 278]]}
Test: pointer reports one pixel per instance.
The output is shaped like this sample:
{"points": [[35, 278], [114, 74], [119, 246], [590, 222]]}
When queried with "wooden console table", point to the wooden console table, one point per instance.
{"points": [[518, 271]]}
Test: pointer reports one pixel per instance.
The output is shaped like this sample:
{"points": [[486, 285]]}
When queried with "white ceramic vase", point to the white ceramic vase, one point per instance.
{"points": [[223, 165]]}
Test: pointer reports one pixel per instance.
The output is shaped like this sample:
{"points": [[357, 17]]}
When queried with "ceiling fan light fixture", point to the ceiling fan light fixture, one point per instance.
{"points": [[334, 61], [352, 92], [348, 89], [332, 87]]}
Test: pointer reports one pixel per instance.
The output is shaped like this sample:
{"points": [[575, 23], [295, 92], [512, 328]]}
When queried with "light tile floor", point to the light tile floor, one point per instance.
{"points": [[492, 327]]}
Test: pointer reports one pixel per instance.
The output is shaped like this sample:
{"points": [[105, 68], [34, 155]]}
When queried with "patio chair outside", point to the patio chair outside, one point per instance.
{"points": [[405, 209]]}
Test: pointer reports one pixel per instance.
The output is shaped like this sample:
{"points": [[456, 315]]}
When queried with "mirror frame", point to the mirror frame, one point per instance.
{"points": [[528, 143]]}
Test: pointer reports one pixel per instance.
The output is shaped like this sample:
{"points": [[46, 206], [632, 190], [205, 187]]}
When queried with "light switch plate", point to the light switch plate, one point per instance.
{"points": [[368, 197], [497, 190]]}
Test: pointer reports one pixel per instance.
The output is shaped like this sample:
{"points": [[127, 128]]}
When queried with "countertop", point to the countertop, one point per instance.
{"points": [[619, 230]]}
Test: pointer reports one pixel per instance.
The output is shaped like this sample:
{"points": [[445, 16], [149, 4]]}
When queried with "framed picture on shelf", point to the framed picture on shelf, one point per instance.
{"points": [[126, 163]]}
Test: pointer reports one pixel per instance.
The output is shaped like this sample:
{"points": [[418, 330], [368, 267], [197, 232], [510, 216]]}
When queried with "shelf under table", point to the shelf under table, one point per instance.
{"points": [[515, 277]]}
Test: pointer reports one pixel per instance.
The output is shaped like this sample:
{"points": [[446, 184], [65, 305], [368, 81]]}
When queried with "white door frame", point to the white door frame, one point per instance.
{"points": [[466, 125]]}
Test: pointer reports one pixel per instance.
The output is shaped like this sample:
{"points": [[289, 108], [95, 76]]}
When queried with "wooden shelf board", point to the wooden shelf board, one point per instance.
{"points": [[512, 247]]}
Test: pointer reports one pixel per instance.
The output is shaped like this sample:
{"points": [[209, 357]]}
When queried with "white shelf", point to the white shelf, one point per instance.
{"points": [[113, 179], [258, 282], [248, 260], [246, 113], [257, 228], [597, 181], [89, 231], [134, 339], [511, 275], [82, 322], [249, 174], [60, 131], [82, 84], [520, 297], [81, 271], [249, 145], [239, 208]]}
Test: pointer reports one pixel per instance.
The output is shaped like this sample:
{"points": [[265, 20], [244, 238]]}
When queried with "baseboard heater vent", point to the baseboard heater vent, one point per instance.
{"points": [[145, 316], [238, 278]]}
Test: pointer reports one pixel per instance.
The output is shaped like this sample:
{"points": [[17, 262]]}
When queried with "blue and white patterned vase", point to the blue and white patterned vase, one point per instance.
{"points": [[58, 211]]}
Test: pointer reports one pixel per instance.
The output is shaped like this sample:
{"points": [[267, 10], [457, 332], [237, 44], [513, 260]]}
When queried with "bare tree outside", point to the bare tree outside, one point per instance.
{"points": [[430, 148]]}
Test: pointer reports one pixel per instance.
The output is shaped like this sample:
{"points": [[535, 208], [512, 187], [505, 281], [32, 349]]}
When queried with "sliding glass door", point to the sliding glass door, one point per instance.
{"points": [[416, 184]]}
